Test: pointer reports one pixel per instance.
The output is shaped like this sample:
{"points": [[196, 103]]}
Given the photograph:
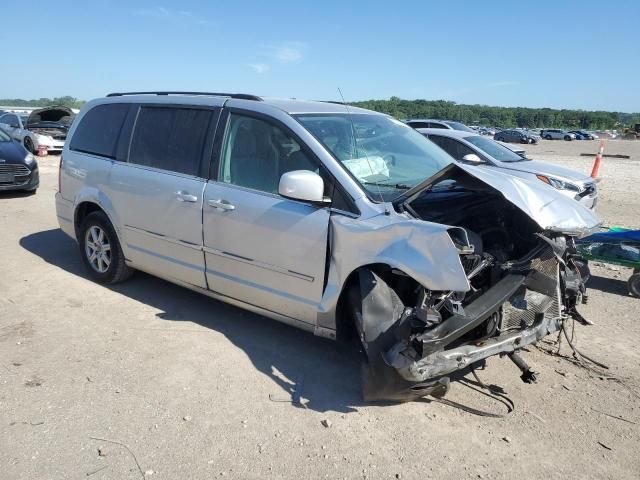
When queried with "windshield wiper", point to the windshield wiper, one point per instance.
{"points": [[397, 186]]}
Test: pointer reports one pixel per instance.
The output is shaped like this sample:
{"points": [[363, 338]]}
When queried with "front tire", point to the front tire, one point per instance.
{"points": [[567, 138], [547, 137], [100, 250], [28, 144]]}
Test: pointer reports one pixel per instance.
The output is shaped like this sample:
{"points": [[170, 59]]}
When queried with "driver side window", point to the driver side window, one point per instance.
{"points": [[256, 153]]}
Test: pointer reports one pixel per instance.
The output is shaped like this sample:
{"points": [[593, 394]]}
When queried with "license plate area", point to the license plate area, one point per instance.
{"points": [[7, 178]]}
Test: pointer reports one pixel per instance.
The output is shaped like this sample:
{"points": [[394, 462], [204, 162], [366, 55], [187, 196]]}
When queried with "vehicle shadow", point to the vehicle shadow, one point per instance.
{"points": [[609, 285], [15, 194], [324, 373]]}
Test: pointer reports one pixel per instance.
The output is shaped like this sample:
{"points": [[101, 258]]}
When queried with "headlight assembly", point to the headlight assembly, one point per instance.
{"points": [[30, 161], [557, 183]]}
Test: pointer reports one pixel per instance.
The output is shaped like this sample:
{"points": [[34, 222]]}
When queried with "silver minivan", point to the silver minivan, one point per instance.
{"points": [[341, 221]]}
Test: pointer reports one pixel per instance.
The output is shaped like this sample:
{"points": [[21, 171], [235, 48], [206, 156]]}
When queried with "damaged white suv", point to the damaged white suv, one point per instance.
{"points": [[326, 217]]}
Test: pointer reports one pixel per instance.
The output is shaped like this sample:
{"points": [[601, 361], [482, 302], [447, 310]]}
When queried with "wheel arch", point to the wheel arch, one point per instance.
{"points": [[88, 204], [345, 326]]}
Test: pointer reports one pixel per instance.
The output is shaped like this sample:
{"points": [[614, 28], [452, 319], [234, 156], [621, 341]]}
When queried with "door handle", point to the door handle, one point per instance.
{"points": [[186, 197], [221, 205]]}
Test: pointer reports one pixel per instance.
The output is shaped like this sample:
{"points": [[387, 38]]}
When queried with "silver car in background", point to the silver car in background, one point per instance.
{"points": [[487, 153], [557, 134], [340, 221], [44, 127]]}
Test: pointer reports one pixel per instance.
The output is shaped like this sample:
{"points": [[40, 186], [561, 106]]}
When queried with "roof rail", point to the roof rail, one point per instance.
{"points": [[241, 96]]}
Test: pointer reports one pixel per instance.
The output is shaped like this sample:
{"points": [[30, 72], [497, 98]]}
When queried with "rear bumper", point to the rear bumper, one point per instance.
{"points": [[23, 182], [64, 213]]}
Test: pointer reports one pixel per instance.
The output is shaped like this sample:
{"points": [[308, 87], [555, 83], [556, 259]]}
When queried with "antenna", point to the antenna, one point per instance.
{"points": [[355, 144]]}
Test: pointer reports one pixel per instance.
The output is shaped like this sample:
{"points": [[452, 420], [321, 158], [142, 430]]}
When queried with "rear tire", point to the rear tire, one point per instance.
{"points": [[547, 137], [567, 138], [100, 250], [28, 144], [634, 285]]}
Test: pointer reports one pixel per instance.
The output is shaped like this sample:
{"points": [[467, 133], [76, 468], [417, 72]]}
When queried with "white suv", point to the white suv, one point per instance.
{"points": [[326, 217], [555, 134]]}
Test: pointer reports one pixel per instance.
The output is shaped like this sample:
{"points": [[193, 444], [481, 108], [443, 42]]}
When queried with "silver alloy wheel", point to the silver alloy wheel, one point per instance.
{"points": [[97, 249]]}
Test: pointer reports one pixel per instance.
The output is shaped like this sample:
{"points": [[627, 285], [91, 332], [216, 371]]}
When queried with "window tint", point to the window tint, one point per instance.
{"points": [[257, 153], [414, 124], [453, 147], [99, 130], [170, 138], [437, 125]]}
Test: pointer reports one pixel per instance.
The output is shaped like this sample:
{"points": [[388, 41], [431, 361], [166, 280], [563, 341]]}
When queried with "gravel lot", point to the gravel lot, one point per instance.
{"points": [[193, 388]]}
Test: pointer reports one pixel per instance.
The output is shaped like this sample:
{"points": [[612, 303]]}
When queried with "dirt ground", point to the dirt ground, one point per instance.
{"points": [[193, 388]]}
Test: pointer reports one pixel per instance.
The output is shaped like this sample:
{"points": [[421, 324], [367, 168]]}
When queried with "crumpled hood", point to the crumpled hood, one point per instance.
{"points": [[548, 208], [545, 168]]}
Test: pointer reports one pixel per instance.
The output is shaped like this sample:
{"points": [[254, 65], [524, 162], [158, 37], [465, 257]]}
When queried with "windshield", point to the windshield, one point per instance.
{"points": [[494, 149], [383, 154], [459, 126]]}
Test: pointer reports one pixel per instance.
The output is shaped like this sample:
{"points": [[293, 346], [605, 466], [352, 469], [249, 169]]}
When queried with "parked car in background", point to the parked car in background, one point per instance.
{"points": [[45, 127], [479, 150], [516, 136], [335, 220], [52, 123], [18, 167], [582, 135], [430, 123], [487, 131], [557, 134]]}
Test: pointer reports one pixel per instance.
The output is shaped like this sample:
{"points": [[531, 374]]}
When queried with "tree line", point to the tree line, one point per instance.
{"points": [[66, 101], [507, 117]]}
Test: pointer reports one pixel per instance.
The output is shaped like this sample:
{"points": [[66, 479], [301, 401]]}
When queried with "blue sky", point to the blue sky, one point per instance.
{"points": [[572, 54]]}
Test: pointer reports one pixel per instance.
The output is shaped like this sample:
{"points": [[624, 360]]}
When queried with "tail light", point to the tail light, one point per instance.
{"points": [[60, 175]]}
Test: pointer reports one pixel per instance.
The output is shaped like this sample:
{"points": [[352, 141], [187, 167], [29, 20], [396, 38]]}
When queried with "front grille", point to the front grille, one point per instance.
{"points": [[11, 169], [527, 306]]}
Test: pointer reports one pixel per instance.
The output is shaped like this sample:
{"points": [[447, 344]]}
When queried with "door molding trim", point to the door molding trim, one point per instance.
{"points": [[160, 236], [255, 263]]}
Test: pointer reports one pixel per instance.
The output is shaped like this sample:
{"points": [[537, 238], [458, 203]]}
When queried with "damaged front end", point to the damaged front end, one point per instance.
{"points": [[524, 281]]}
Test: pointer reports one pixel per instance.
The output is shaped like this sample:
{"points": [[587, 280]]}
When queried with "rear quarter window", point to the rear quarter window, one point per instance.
{"points": [[99, 130]]}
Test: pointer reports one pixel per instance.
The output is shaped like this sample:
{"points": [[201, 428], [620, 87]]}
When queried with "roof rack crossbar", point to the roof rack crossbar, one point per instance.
{"points": [[241, 96]]}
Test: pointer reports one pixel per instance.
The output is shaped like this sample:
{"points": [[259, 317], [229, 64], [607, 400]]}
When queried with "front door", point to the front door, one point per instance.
{"points": [[260, 247]]}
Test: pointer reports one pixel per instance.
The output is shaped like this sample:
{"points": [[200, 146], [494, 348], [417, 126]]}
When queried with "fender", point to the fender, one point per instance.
{"points": [[422, 250]]}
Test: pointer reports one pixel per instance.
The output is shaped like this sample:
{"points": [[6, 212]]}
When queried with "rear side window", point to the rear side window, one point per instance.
{"points": [[453, 147], [99, 130], [170, 138], [414, 124]]}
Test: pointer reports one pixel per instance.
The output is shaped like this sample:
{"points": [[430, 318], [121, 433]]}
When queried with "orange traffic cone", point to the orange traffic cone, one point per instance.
{"points": [[596, 162]]}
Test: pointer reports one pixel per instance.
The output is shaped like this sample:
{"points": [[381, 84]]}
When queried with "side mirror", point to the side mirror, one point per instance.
{"points": [[302, 185], [472, 158]]}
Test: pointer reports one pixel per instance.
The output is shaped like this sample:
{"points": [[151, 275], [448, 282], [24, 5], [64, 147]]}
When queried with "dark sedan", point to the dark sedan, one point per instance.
{"points": [[516, 136], [18, 167], [582, 135]]}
